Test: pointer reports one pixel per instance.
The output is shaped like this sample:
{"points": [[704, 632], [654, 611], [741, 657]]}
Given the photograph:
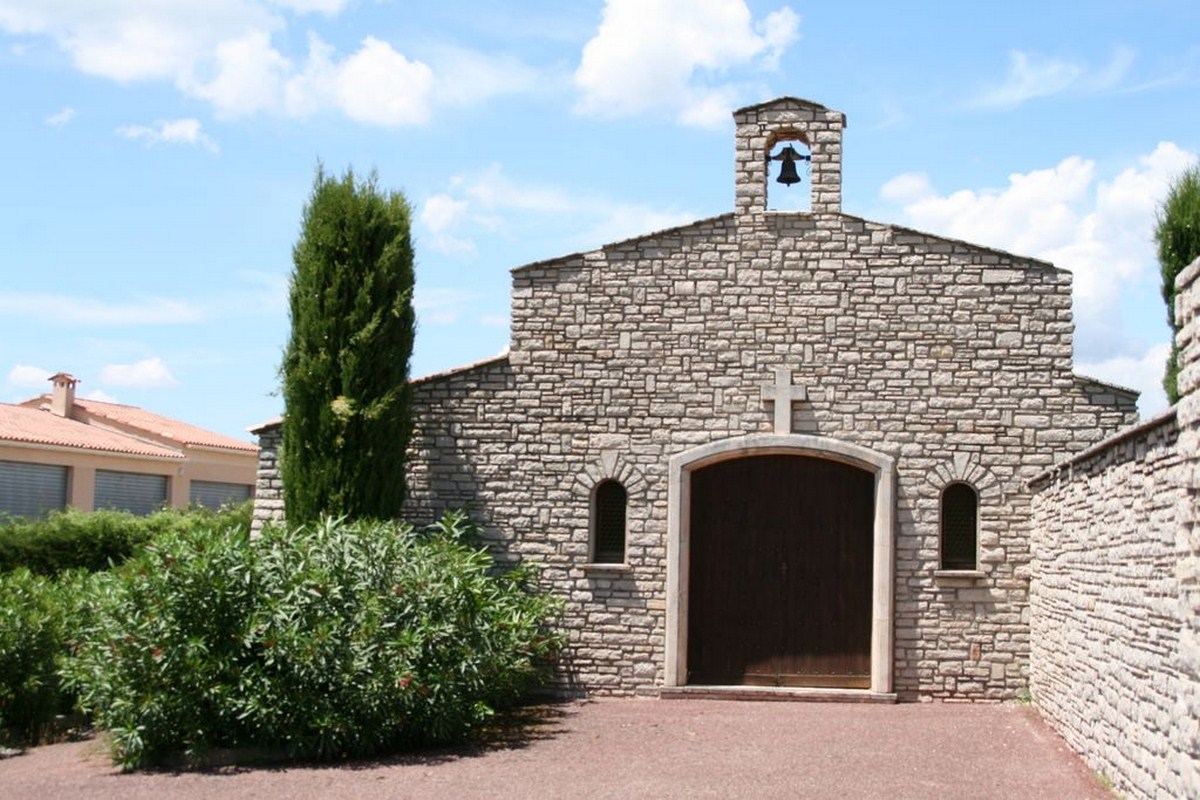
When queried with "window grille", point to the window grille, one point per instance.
{"points": [[960, 514]]}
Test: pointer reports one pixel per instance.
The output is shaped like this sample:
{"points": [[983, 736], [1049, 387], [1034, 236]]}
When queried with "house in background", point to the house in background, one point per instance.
{"points": [[58, 451]]}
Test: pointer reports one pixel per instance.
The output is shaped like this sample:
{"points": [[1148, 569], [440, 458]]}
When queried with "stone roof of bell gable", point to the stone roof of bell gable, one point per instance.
{"points": [[780, 102]]}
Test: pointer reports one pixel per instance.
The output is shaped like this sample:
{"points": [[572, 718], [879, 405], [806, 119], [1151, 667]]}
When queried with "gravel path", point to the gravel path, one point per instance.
{"points": [[646, 749]]}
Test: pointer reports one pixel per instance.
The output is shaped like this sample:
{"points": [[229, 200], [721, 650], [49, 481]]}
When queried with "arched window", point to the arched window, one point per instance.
{"points": [[608, 523], [960, 524]]}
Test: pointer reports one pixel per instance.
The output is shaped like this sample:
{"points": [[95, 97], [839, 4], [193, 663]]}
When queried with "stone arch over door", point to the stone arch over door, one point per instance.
{"points": [[879, 466]]}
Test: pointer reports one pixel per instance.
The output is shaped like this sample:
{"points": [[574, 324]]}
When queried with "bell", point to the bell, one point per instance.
{"points": [[787, 173], [787, 170]]}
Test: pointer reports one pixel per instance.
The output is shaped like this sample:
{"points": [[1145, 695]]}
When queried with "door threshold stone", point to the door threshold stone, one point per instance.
{"points": [[794, 694]]}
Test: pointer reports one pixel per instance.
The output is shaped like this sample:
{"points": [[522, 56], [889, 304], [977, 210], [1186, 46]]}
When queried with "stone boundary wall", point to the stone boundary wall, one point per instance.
{"points": [[1115, 595], [1187, 707], [1104, 623]]}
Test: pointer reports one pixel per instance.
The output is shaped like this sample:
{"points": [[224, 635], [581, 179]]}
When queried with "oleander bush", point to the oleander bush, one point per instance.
{"points": [[39, 616], [335, 639], [95, 540]]}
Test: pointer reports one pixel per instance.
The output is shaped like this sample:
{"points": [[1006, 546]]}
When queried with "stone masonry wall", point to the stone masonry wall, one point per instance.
{"points": [[951, 358], [1187, 707], [1115, 599], [268, 489], [1104, 602]]}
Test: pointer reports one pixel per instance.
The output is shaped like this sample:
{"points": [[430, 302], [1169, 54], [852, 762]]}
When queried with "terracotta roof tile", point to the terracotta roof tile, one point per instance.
{"points": [[165, 427], [34, 426]]}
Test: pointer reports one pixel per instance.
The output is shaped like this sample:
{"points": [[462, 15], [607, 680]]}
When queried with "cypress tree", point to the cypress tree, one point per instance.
{"points": [[1178, 237], [347, 399]]}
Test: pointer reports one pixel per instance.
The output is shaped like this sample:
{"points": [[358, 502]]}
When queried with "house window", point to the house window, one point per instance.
{"points": [[960, 526], [134, 492], [608, 523], [215, 494]]}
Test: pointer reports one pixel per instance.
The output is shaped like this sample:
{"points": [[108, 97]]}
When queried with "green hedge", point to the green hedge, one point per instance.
{"points": [[92, 540], [332, 640]]}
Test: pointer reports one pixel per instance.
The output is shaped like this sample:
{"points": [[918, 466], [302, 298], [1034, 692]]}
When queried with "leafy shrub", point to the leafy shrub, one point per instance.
{"points": [[1177, 233], [331, 640], [93, 540], [38, 617]]}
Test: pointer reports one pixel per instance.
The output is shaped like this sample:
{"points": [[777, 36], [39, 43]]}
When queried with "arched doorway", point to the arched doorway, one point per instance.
{"points": [[780, 573], [780, 564]]}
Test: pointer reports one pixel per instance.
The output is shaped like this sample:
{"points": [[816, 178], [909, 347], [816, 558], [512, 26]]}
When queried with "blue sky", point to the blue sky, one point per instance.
{"points": [[158, 154]]}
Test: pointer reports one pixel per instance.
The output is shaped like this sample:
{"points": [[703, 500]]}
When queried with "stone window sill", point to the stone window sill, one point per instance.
{"points": [[958, 576], [615, 569]]}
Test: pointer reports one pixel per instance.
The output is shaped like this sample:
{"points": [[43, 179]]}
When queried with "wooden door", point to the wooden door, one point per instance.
{"points": [[780, 568]]}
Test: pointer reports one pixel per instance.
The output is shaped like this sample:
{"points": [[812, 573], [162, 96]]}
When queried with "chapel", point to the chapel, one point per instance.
{"points": [[773, 450]]}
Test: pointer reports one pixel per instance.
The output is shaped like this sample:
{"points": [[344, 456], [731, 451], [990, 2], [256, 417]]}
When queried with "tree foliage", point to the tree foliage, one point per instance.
{"points": [[345, 370], [1178, 237]]}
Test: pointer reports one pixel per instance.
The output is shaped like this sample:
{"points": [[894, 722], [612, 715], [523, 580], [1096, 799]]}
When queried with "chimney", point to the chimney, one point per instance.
{"points": [[63, 399]]}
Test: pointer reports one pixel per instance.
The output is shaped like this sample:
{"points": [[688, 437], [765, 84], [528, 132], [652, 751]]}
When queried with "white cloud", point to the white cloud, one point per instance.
{"points": [[250, 76], [171, 131], [66, 310], [441, 306], [24, 376], [906, 187], [256, 293], [490, 203], [441, 213], [61, 118], [381, 86], [228, 53], [329, 7], [129, 41], [464, 77], [1031, 76], [376, 85], [150, 373], [674, 56]]}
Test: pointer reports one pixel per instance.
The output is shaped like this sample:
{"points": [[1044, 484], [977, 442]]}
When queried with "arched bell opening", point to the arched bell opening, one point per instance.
{"points": [[789, 173]]}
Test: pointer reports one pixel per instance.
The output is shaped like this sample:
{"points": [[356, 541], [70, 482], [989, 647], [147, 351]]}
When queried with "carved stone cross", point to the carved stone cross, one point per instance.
{"points": [[782, 393]]}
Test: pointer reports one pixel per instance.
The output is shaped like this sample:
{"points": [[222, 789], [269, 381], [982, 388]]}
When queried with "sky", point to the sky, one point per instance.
{"points": [[157, 156]]}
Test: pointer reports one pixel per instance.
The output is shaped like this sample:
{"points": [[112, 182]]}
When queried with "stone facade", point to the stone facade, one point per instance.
{"points": [[925, 360], [952, 359], [1115, 599]]}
